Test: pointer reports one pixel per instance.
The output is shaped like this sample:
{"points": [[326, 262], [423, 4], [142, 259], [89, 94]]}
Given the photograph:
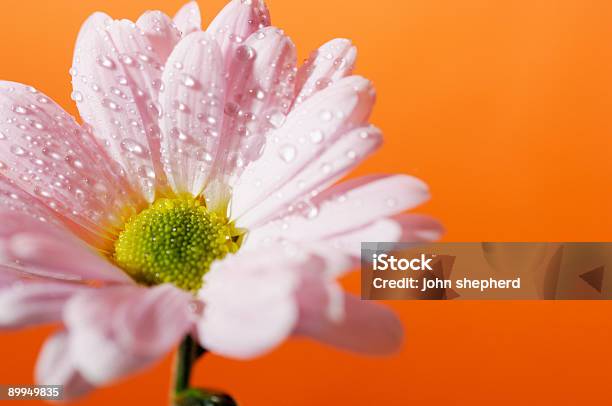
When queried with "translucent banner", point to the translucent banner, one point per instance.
{"points": [[486, 271]]}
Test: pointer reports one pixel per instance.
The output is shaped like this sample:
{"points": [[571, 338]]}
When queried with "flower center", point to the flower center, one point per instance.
{"points": [[175, 241]]}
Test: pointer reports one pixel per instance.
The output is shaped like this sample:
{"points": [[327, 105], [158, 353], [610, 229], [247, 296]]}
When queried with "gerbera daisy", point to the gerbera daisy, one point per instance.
{"points": [[198, 201]]}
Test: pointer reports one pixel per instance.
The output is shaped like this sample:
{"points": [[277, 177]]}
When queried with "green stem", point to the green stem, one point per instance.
{"points": [[187, 354]]}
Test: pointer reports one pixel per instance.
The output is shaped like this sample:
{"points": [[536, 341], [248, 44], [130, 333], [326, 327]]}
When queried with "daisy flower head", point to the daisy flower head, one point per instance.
{"points": [[200, 197]]}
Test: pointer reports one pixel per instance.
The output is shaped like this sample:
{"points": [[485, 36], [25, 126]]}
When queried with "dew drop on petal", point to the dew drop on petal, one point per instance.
{"points": [[287, 153], [17, 150], [326, 115], [105, 62], [277, 119], [316, 137], [77, 96], [231, 109], [20, 110], [111, 105], [188, 81], [322, 83], [134, 147], [146, 172], [203, 155], [245, 53], [126, 59]]}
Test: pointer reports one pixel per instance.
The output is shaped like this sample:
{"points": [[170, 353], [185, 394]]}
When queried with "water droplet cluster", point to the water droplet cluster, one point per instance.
{"points": [[48, 155], [174, 241], [116, 78]]}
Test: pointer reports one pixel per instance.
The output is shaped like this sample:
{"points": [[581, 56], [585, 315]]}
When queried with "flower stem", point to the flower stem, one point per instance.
{"points": [[188, 352]]}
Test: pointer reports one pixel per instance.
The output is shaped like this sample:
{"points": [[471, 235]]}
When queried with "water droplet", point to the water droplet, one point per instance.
{"points": [[258, 94], [245, 53], [231, 109], [146, 172], [287, 153], [391, 202], [182, 107], [111, 105], [77, 96], [277, 119], [144, 57], [158, 85], [17, 150], [180, 135], [351, 154], [37, 125], [20, 109], [134, 147], [322, 83], [178, 65], [316, 137], [188, 81], [105, 62], [203, 155], [126, 59], [326, 115]]}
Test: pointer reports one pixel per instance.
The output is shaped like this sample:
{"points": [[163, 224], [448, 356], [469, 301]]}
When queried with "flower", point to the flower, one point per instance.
{"points": [[199, 197]]}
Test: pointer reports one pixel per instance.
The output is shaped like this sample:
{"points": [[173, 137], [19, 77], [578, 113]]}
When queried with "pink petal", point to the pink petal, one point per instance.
{"points": [[419, 228], [118, 330], [338, 159], [249, 304], [260, 91], [13, 199], [55, 367], [161, 32], [235, 23], [365, 327], [188, 19], [330, 63], [46, 154], [31, 303], [384, 230], [351, 205], [403, 228], [327, 115], [45, 249], [193, 112], [116, 81], [9, 276]]}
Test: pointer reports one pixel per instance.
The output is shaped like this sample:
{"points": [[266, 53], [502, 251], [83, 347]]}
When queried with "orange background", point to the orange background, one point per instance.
{"points": [[503, 108]]}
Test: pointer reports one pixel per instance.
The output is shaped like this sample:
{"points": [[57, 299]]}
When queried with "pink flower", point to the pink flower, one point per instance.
{"points": [[199, 197]]}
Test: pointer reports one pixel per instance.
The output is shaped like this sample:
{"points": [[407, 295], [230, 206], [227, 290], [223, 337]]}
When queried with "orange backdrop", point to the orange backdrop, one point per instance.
{"points": [[503, 108]]}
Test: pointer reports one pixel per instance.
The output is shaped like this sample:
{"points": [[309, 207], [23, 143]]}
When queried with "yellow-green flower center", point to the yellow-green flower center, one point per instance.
{"points": [[175, 241]]}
